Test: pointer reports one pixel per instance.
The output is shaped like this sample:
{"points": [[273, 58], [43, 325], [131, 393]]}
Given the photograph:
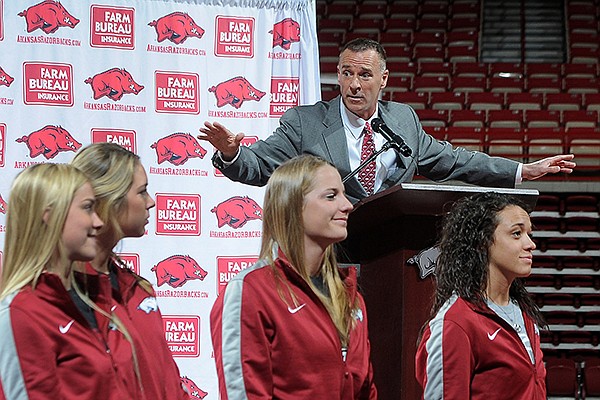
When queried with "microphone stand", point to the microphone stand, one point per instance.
{"points": [[373, 156]]}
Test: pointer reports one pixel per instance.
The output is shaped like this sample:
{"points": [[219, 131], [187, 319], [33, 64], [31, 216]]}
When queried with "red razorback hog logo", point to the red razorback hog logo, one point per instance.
{"points": [[285, 32], [177, 148], [5, 79], [192, 389], [235, 91], [236, 211], [176, 27], [113, 84], [49, 141], [2, 205], [49, 15], [177, 270]]}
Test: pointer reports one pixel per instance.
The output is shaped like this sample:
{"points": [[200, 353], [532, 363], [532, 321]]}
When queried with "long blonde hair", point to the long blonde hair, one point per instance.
{"points": [[32, 243], [110, 169], [283, 225]]}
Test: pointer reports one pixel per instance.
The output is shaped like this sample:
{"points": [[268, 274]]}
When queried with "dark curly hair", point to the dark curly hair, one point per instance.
{"points": [[462, 267]]}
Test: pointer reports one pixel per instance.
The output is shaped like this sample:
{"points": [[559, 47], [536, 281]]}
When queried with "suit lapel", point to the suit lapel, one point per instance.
{"points": [[337, 147]]}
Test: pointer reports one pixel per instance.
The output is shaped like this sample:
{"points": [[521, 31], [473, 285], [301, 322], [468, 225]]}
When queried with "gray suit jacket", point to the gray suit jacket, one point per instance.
{"points": [[317, 129]]}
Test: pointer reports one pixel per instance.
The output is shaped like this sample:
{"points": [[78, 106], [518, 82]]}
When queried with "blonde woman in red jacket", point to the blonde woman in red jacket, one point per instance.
{"points": [[293, 326], [48, 349], [483, 339], [123, 202]]}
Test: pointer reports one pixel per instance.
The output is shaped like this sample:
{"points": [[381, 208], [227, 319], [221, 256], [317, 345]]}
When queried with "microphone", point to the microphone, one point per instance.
{"points": [[396, 141]]}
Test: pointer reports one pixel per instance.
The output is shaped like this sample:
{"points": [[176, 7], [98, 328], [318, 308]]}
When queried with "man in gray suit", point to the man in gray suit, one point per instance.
{"points": [[334, 130]]}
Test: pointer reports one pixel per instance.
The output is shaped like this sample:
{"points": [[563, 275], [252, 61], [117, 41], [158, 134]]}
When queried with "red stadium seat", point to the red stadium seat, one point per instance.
{"points": [[585, 144], [591, 376], [430, 83], [432, 24], [399, 83], [429, 54], [417, 100], [462, 38], [469, 138], [506, 85], [524, 101], [403, 10], [461, 54], [592, 101], [588, 70], [368, 25], [467, 9], [430, 10], [467, 118], [464, 24], [505, 119], [561, 377], [582, 203], [395, 39], [545, 142], [469, 69], [543, 70], [468, 84], [402, 68], [579, 119], [433, 117], [583, 55], [542, 119], [507, 70], [447, 100], [506, 142], [563, 101], [399, 54], [485, 101], [428, 39], [435, 69], [543, 85]]}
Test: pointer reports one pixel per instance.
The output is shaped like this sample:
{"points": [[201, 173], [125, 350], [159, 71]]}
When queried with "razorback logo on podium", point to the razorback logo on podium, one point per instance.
{"points": [[235, 91], [3, 205], [176, 27], [49, 15], [49, 141], [192, 389], [285, 32], [177, 148], [123, 137], [112, 27], [237, 211], [176, 270], [113, 83], [5, 78], [234, 36]]}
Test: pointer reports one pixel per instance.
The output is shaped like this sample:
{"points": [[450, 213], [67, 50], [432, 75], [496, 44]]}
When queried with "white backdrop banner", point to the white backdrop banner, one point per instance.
{"points": [[146, 74]]}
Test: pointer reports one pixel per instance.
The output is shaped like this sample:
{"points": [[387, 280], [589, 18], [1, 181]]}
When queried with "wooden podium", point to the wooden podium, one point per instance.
{"points": [[384, 231]]}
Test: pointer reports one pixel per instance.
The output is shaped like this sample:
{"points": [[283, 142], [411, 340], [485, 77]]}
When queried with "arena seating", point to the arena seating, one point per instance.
{"points": [[524, 111]]}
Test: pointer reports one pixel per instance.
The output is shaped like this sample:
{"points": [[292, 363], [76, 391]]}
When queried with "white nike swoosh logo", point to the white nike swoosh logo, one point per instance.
{"points": [[65, 329], [493, 335], [295, 310]]}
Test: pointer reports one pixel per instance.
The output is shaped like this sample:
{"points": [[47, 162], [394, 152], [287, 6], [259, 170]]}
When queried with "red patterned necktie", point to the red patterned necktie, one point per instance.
{"points": [[366, 176]]}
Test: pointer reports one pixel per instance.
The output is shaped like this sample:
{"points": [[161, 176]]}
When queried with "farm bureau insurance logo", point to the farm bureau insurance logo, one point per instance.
{"points": [[48, 16], [182, 334], [228, 267], [234, 36], [49, 141], [112, 27], [131, 261], [178, 214], [48, 84], [177, 92], [122, 137], [285, 93]]}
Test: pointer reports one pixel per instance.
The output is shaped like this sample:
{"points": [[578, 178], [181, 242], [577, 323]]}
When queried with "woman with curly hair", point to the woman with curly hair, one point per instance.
{"points": [[482, 339]]}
